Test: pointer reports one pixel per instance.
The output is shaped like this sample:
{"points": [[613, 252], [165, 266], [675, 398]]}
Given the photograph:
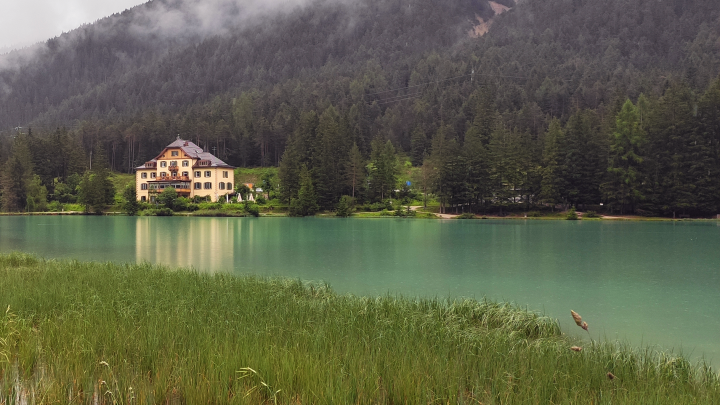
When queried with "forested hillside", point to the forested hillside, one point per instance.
{"points": [[529, 112]]}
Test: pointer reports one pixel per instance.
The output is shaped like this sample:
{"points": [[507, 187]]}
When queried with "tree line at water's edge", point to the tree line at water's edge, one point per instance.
{"points": [[654, 156]]}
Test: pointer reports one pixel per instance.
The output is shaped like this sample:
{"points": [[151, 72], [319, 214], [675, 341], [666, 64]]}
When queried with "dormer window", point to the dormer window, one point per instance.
{"points": [[174, 153]]}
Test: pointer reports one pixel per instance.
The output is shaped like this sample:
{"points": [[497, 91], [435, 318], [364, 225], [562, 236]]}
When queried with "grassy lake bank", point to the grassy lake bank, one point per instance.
{"points": [[76, 331]]}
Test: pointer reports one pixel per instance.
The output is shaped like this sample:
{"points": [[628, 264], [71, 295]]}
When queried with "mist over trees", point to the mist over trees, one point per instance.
{"points": [[572, 103]]}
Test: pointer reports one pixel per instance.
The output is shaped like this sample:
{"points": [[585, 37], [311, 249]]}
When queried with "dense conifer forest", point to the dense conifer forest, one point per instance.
{"points": [[561, 102]]}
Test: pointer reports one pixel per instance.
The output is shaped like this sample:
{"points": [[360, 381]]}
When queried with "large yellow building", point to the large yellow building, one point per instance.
{"points": [[187, 168]]}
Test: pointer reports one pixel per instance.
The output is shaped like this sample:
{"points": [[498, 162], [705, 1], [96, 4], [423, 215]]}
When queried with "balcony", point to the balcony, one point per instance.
{"points": [[180, 184]]}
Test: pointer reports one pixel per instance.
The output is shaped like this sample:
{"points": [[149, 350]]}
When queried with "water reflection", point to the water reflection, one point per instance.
{"points": [[206, 244]]}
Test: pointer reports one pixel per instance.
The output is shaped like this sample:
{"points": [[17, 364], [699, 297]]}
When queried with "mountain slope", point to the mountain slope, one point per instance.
{"points": [[239, 75]]}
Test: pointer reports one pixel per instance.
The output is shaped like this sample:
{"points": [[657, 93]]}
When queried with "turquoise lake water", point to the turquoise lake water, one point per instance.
{"points": [[651, 283]]}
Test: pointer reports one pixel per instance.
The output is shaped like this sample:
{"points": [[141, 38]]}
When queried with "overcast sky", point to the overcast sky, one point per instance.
{"points": [[25, 22]]}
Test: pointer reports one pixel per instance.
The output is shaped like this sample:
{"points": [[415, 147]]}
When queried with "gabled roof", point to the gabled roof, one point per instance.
{"points": [[194, 152]]}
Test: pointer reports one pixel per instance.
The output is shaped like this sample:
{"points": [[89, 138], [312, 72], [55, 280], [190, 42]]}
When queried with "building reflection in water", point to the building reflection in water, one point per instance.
{"points": [[206, 244]]}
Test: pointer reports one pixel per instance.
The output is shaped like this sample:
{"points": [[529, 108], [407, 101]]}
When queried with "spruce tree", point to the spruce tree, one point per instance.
{"points": [[355, 170], [552, 182], [16, 175], [623, 187], [306, 201], [382, 169], [328, 157]]}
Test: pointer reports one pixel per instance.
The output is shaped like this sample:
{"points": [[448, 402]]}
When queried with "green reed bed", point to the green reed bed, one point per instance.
{"points": [[79, 332]]}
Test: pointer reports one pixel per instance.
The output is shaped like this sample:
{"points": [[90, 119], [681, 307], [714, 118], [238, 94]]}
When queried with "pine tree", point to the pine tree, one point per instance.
{"points": [[306, 201], [584, 165], [96, 188], [16, 175], [477, 158], [130, 204], [508, 175], [418, 145], [36, 195], [668, 186], [552, 184], [707, 157], [355, 169], [382, 169], [296, 155], [623, 188], [328, 158]]}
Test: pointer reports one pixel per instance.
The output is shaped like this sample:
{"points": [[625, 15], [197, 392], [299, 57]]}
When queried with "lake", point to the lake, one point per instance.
{"points": [[651, 283]]}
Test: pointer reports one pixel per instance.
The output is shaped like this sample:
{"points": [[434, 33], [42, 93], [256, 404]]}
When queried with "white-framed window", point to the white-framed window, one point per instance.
{"points": [[173, 163], [198, 174], [143, 186], [208, 186], [185, 163], [229, 186], [208, 173], [153, 175], [143, 175], [163, 174], [174, 153], [185, 174], [163, 164], [225, 174], [198, 186], [222, 186]]}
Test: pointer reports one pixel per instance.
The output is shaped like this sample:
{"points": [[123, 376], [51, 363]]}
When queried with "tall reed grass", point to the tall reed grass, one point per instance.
{"points": [[75, 332]]}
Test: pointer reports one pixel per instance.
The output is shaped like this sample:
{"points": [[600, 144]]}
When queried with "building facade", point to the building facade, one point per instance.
{"points": [[187, 168]]}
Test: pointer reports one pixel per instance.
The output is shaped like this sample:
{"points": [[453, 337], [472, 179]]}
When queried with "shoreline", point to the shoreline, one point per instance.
{"points": [[373, 215]]}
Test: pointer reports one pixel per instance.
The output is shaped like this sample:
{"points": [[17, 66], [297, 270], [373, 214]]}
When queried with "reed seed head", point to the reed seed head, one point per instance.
{"points": [[576, 317], [578, 320], [576, 348]]}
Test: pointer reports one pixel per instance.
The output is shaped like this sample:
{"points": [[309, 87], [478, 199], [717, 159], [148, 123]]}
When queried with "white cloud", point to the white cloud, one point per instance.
{"points": [[29, 21]]}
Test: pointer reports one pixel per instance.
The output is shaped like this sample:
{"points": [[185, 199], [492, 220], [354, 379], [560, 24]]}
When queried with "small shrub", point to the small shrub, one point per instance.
{"points": [[180, 204], [533, 214], [198, 199], [404, 212], [379, 206], [591, 214], [386, 213], [157, 212], [209, 206], [251, 209], [571, 214], [260, 200], [466, 215], [55, 206], [345, 206]]}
